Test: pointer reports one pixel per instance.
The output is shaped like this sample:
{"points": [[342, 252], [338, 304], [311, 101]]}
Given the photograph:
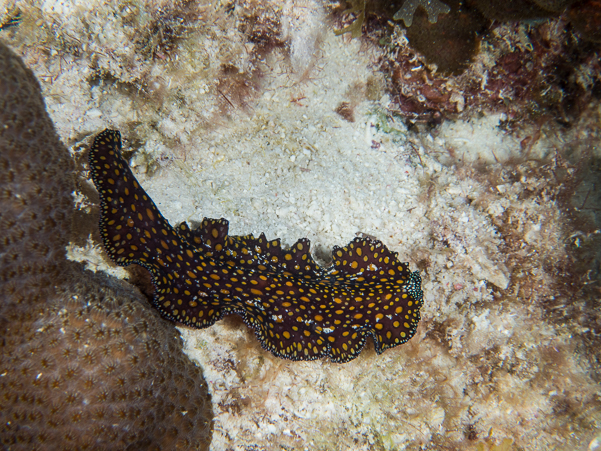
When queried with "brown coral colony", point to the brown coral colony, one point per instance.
{"points": [[84, 362]]}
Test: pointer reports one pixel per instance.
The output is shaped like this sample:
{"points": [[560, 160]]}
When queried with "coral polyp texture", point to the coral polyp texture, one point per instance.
{"points": [[298, 310], [84, 362]]}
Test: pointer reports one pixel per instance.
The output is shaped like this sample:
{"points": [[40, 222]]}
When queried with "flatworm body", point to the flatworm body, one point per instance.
{"points": [[297, 309]]}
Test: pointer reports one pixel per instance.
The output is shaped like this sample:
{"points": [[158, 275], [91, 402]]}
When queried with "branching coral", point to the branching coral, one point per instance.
{"points": [[84, 362]]}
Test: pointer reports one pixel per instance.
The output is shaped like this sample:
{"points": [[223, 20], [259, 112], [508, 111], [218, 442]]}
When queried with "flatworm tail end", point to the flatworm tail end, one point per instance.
{"points": [[133, 230], [297, 309], [128, 215]]}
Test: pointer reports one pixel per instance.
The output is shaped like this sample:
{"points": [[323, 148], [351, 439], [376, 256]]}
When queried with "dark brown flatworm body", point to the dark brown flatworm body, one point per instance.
{"points": [[297, 309]]}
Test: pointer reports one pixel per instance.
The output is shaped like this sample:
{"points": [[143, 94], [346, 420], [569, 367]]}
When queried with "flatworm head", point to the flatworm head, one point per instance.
{"points": [[297, 309]]}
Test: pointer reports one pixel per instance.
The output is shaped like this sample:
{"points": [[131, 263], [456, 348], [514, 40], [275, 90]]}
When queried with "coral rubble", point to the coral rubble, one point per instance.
{"points": [[85, 363]]}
